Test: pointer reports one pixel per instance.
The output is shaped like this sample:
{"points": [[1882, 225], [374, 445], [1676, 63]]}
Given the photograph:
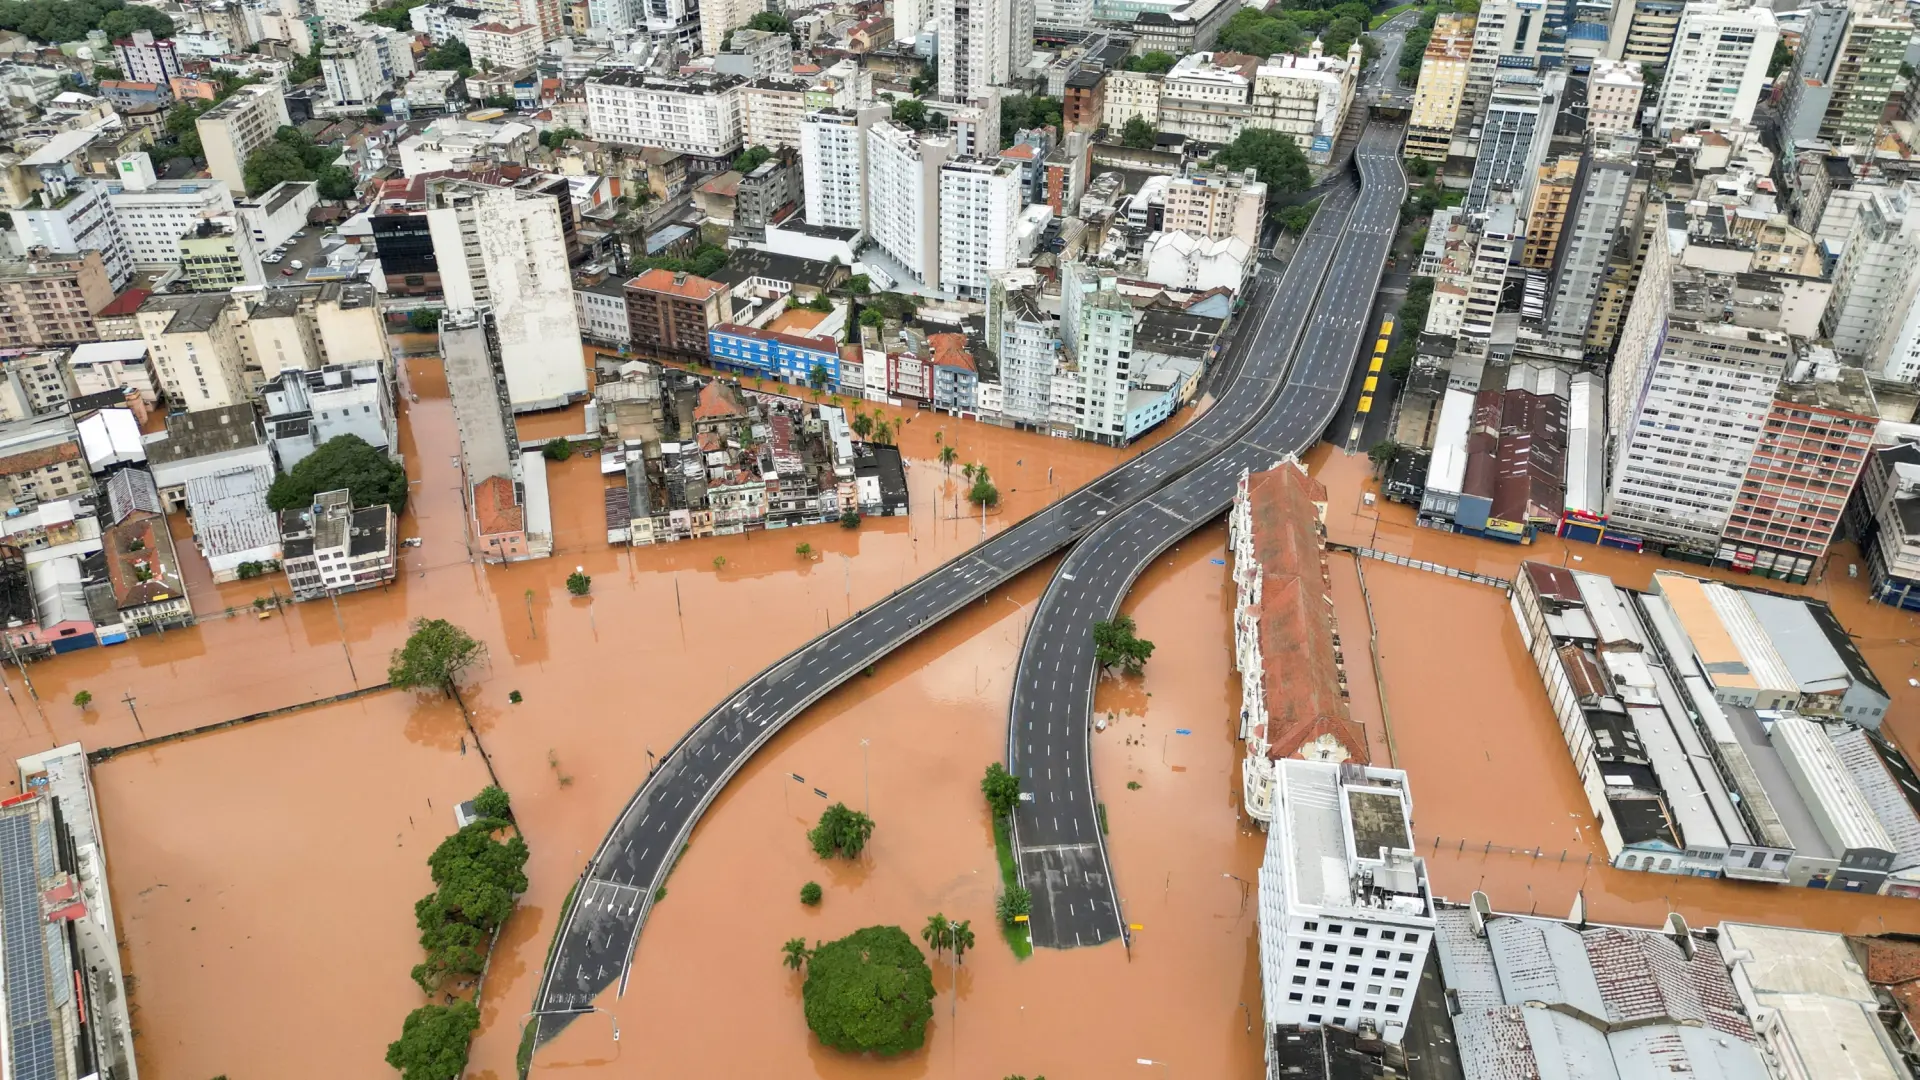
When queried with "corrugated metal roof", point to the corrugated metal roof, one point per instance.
{"points": [[1800, 643], [1826, 782], [1893, 807], [230, 512]]}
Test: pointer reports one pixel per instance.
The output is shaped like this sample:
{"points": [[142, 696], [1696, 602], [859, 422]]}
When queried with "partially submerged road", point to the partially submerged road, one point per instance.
{"points": [[598, 935], [1061, 853]]}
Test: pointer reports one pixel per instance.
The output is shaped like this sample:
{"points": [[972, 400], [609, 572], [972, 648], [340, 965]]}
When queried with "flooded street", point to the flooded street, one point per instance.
{"points": [[265, 876]]}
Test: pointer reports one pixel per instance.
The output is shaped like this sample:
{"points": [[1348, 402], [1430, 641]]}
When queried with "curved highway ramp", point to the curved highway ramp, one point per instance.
{"points": [[597, 937], [1056, 831]]}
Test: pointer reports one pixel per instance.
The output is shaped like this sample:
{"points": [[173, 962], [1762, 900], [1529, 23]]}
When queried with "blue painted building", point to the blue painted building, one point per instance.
{"points": [[787, 357]]}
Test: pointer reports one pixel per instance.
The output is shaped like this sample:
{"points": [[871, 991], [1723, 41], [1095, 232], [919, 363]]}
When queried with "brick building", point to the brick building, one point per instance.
{"points": [[669, 314]]}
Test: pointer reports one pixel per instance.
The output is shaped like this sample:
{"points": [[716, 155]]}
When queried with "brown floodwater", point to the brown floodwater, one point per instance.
{"points": [[320, 897]]}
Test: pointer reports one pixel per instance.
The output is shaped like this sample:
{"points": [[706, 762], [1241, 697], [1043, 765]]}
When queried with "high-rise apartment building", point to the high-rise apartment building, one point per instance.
{"points": [[71, 216], [193, 342], [1514, 137], [980, 205], [903, 195], [698, 114], [1026, 341], [1813, 444], [1096, 324], [669, 313], [1601, 190], [50, 299], [1216, 205], [1874, 283], [1690, 392], [504, 250], [1443, 83], [1346, 909], [975, 44], [1719, 64], [1614, 89], [143, 58], [1547, 217], [1499, 234], [1643, 30], [1866, 72], [1506, 38], [1806, 88], [833, 165], [237, 127], [154, 214]]}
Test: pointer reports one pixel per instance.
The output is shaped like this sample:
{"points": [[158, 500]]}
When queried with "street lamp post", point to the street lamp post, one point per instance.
{"points": [[574, 1012], [1245, 887]]}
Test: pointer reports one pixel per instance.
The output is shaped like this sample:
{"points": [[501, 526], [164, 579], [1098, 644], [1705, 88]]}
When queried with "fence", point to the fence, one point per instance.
{"points": [[106, 753], [1421, 564], [1462, 845]]}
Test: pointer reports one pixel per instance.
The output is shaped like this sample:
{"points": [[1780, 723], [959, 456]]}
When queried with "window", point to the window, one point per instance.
{"points": [[1396, 991], [1393, 1008], [1321, 983], [1359, 931], [1380, 954], [1406, 958], [1343, 1003], [1313, 1018], [1293, 997], [1299, 980], [1303, 962], [1310, 926], [1319, 999], [1326, 965], [1346, 986], [1334, 928], [1386, 935], [1356, 952], [1327, 948], [1353, 969]]}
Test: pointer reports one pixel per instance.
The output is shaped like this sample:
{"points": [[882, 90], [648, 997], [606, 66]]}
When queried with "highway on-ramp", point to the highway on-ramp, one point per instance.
{"points": [[1057, 840], [600, 929]]}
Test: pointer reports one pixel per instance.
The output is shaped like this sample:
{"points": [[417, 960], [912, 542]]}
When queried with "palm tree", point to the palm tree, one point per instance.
{"points": [[937, 438], [961, 934], [947, 454], [938, 933], [967, 471], [794, 953]]}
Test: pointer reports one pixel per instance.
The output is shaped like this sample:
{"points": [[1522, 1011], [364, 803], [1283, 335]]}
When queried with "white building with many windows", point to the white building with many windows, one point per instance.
{"points": [[903, 196], [1346, 915], [833, 165], [698, 115], [155, 214], [1718, 67], [979, 209]]}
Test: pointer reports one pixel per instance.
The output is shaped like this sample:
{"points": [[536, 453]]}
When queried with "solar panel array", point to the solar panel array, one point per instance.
{"points": [[23, 949]]}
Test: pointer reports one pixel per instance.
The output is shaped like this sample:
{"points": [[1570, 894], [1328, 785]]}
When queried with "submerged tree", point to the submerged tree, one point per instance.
{"points": [[433, 657]]}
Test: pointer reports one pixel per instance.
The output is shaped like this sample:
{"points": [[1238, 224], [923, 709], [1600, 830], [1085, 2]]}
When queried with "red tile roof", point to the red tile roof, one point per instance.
{"points": [[495, 509], [126, 303], [716, 402], [1304, 696], [666, 281], [950, 350]]}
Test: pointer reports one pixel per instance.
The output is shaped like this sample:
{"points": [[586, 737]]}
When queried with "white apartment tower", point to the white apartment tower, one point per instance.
{"points": [[975, 38], [903, 196], [1718, 66], [979, 207], [1614, 88], [1871, 319], [833, 165], [503, 250], [1096, 326], [237, 127], [1698, 391], [698, 115], [1346, 911]]}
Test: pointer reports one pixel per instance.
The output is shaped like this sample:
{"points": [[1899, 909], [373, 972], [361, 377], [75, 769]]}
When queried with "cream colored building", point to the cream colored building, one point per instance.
{"points": [[1216, 206], [194, 345], [1443, 83], [1614, 89], [1130, 94], [1307, 97], [237, 127], [770, 113], [504, 48]]}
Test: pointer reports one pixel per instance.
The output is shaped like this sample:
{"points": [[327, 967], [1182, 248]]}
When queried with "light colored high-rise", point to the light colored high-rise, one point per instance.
{"points": [[698, 115], [1614, 89], [72, 216], [903, 195], [833, 165], [237, 127], [1506, 38], [1643, 30], [1063, 14], [975, 38], [1865, 74], [979, 208], [1131, 94], [1306, 97], [1806, 87], [1096, 325], [1689, 392], [503, 249], [1216, 205], [1871, 319], [154, 214], [910, 19], [1499, 234], [1443, 83], [1026, 341], [1719, 64], [1600, 194], [1346, 910]]}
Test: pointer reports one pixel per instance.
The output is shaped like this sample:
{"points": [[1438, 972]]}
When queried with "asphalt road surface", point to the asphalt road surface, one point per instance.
{"points": [[1057, 840], [601, 929]]}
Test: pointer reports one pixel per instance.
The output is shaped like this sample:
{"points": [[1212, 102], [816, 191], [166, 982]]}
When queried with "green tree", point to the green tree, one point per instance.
{"points": [[983, 493], [1020, 112], [803, 550], [307, 68], [492, 802], [83, 699], [1137, 133], [1001, 788], [850, 519], [859, 285], [1294, 220], [960, 935], [424, 320], [555, 138], [873, 317], [840, 831], [1013, 902], [394, 16], [1781, 59], [434, 656], [794, 953], [345, 461], [817, 377], [911, 112], [870, 991], [1114, 645], [449, 55], [810, 894], [1382, 452], [1153, 62], [751, 158], [478, 876], [557, 449], [433, 1041], [274, 163], [947, 454], [337, 183], [771, 21], [1273, 154], [579, 583]]}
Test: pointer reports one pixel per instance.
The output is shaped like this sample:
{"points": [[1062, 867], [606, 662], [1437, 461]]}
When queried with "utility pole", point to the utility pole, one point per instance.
{"points": [[136, 714], [531, 632], [334, 595], [866, 785]]}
